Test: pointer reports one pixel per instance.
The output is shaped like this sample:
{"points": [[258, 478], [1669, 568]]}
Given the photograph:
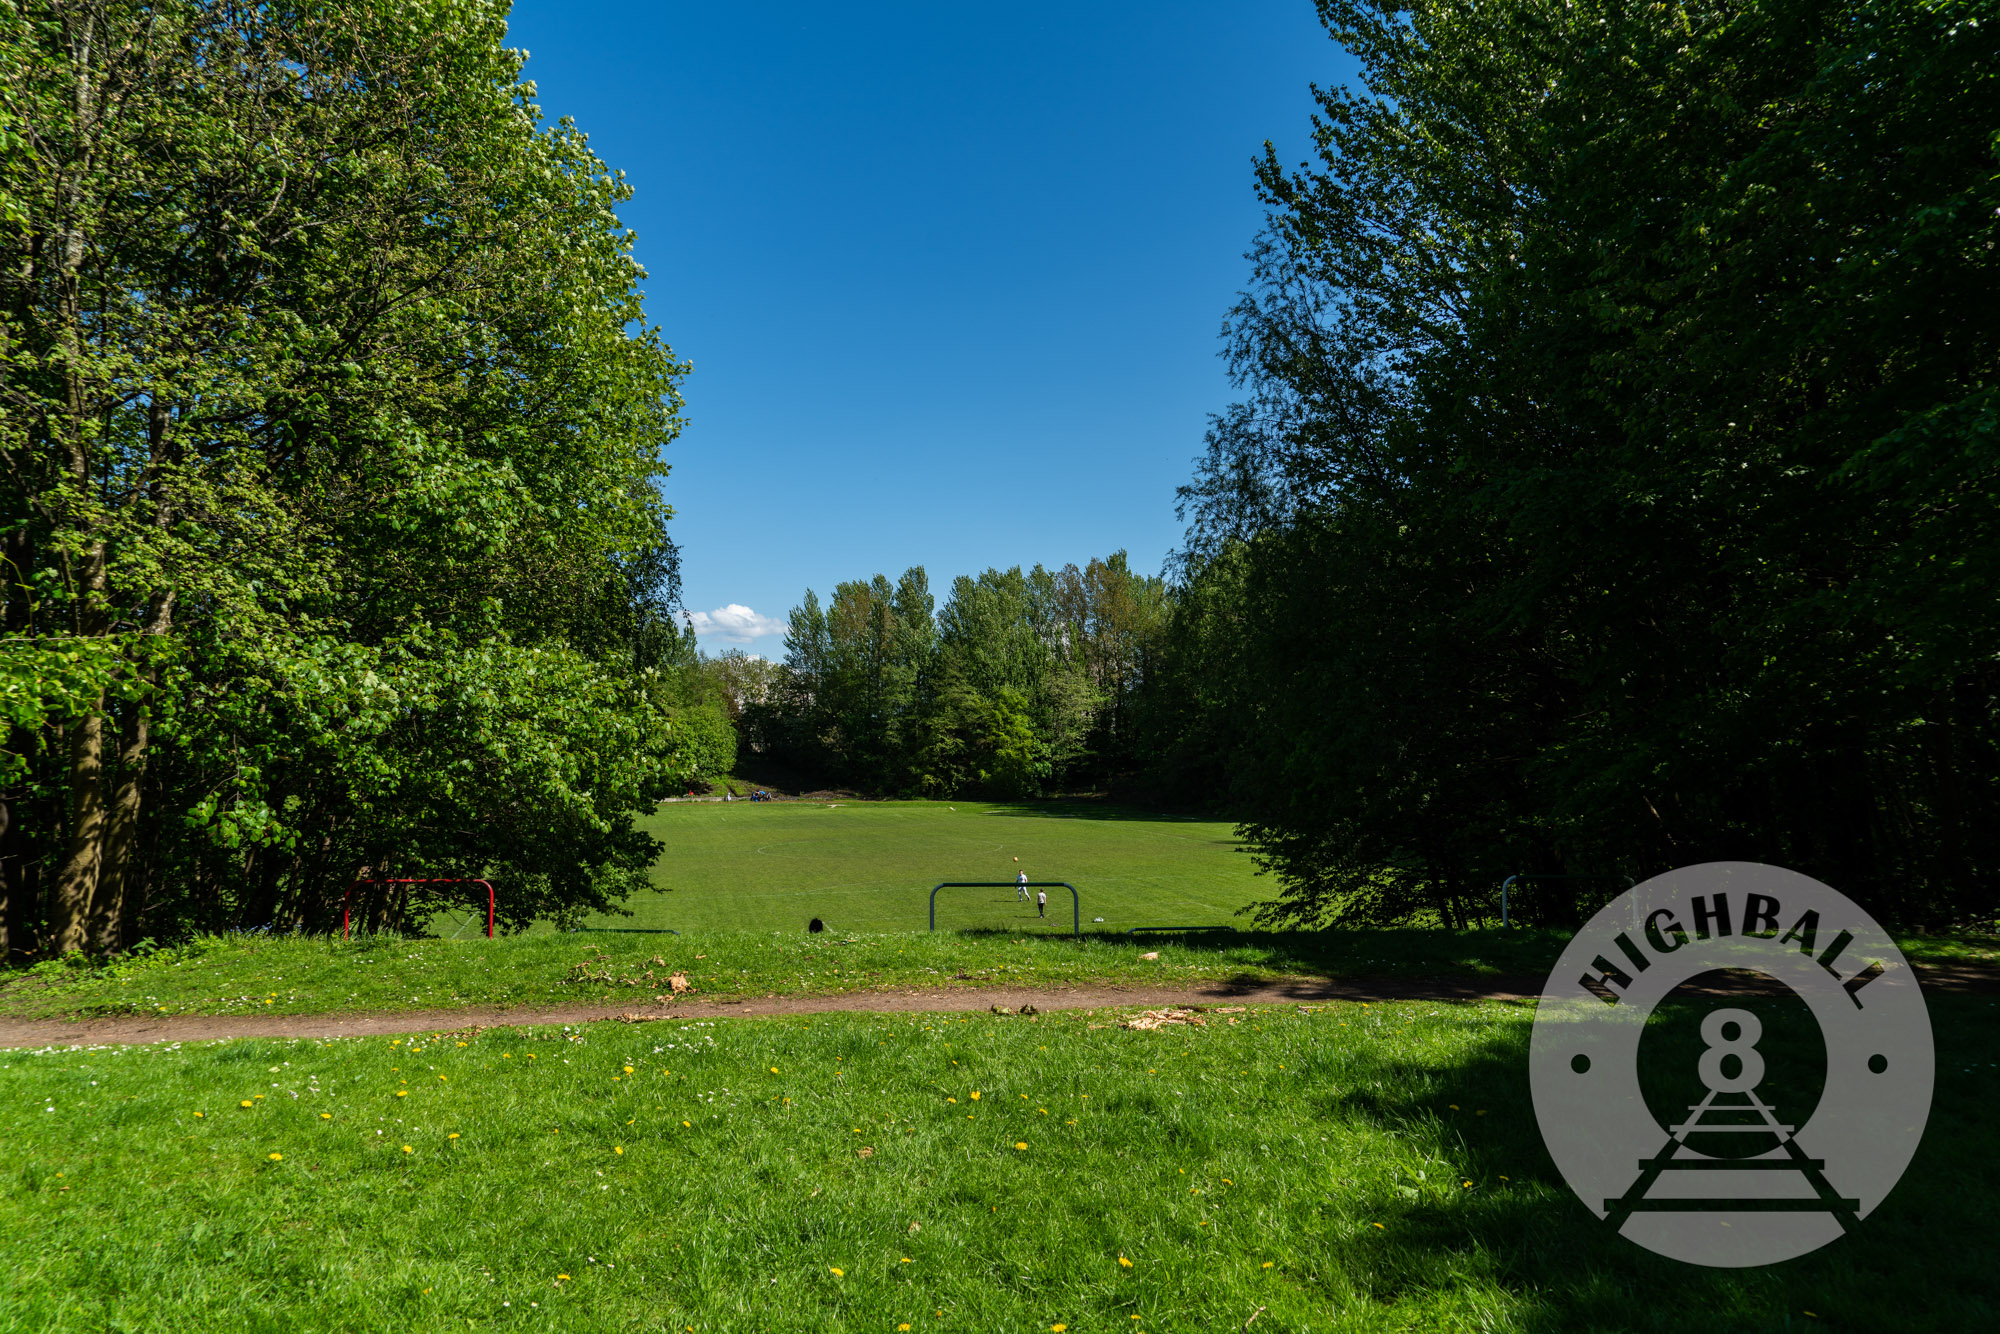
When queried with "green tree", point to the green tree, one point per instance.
{"points": [[331, 425], [1620, 422]]}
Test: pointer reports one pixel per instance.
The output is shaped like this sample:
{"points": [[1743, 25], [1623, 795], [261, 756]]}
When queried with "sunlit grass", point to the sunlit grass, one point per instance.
{"points": [[870, 866], [308, 975], [1336, 1167]]}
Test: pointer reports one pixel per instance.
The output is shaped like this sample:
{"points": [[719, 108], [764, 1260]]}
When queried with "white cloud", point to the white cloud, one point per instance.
{"points": [[735, 624]]}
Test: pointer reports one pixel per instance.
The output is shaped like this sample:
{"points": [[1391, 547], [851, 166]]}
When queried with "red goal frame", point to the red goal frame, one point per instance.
{"points": [[346, 898]]}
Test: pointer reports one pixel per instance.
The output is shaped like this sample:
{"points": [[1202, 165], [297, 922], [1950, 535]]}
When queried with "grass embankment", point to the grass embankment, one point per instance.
{"points": [[870, 866], [1339, 1167], [318, 975]]}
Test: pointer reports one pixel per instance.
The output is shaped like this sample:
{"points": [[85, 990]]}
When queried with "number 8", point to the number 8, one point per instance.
{"points": [[1750, 1063]]}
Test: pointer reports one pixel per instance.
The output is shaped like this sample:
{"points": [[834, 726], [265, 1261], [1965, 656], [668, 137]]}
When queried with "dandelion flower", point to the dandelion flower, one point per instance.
{"points": [[774, 1069], [837, 1273], [408, 1149], [326, 1116], [1378, 1225], [1021, 1144], [244, 1103], [1123, 1263], [402, 1093], [905, 1325], [562, 1278], [1268, 1263], [1058, 1329], [277, 1157], [690, 1127], [975, 1095], [452, 1135], [201, 1113], [628, 1069], [619, 1149]]}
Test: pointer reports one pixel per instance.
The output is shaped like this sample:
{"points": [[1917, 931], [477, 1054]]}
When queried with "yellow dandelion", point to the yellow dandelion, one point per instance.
{"points": [[1506, 1178], [277, 1157], [975, 1095], [402, 1093], [245, 1103], [1268, 1263], [1021, 1144], [1123, 1263], [1467, 1185], [1378, 1225], [905, 1325], [836, 1272], [774, 1069], [690, 1127], [947, 1100], [326, 1116], [1057, 1329], [619, 1149], [201, 1113], [908, 1260], [452, 1135], [628, 1069], [408, 1149], [562, 1278]]}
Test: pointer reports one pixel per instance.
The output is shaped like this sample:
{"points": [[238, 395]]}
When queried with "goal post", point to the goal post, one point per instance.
{"points": [[346, 900], [1075, 902]]}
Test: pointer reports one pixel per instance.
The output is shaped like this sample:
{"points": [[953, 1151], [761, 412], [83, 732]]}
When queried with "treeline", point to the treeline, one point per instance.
{"points": [[331, 427], [1614, 487], [1018, 684]]}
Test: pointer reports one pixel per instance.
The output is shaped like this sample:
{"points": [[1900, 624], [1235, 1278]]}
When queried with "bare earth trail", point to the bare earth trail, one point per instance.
{"points": [[139, 1028]]}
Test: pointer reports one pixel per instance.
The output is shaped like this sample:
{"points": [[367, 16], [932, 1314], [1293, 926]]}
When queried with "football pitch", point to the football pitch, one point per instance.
{"points": [[870, 866]]}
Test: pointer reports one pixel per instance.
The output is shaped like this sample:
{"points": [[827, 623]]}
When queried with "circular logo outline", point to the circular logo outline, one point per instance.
{"points": [[1821, 1178]]}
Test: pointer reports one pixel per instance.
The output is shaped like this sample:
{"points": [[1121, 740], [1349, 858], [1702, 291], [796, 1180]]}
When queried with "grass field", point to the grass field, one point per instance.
{"points": [[316, 975], [1338, 1167], [870, 866]]}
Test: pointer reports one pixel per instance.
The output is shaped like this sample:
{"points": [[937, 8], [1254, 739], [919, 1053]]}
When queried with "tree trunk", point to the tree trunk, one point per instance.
{"points": [[76, 882], [118, 866], [8, 876]]}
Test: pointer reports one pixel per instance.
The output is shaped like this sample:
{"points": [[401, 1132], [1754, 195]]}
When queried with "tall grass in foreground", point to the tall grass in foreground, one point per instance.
{"points": [[1342, 1167]]}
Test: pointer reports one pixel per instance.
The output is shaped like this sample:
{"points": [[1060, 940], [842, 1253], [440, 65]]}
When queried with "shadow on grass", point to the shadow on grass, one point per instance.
{"points": [[1922, 1261], [1341, 952]]}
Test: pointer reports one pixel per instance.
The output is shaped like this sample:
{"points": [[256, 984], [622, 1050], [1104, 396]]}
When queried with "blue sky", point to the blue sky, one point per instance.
{"points": [[950, 276]]}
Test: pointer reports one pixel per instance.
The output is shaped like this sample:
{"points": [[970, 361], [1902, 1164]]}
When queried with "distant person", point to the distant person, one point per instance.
{"points": [[815, 926], [1041, 903], [1021, 888]]}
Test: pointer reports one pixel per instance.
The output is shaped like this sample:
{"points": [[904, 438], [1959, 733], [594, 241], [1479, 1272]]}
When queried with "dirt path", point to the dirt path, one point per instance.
{"points": [[123, 1029], [118, 1029]]}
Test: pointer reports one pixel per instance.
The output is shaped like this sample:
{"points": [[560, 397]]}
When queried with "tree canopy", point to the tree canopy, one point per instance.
{"points": [[1020, 684], [1615, 483], [332, 428]]}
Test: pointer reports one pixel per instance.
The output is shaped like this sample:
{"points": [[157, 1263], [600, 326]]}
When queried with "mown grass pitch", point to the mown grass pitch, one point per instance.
{"points": [[870, 866], [1336, 1167]]}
